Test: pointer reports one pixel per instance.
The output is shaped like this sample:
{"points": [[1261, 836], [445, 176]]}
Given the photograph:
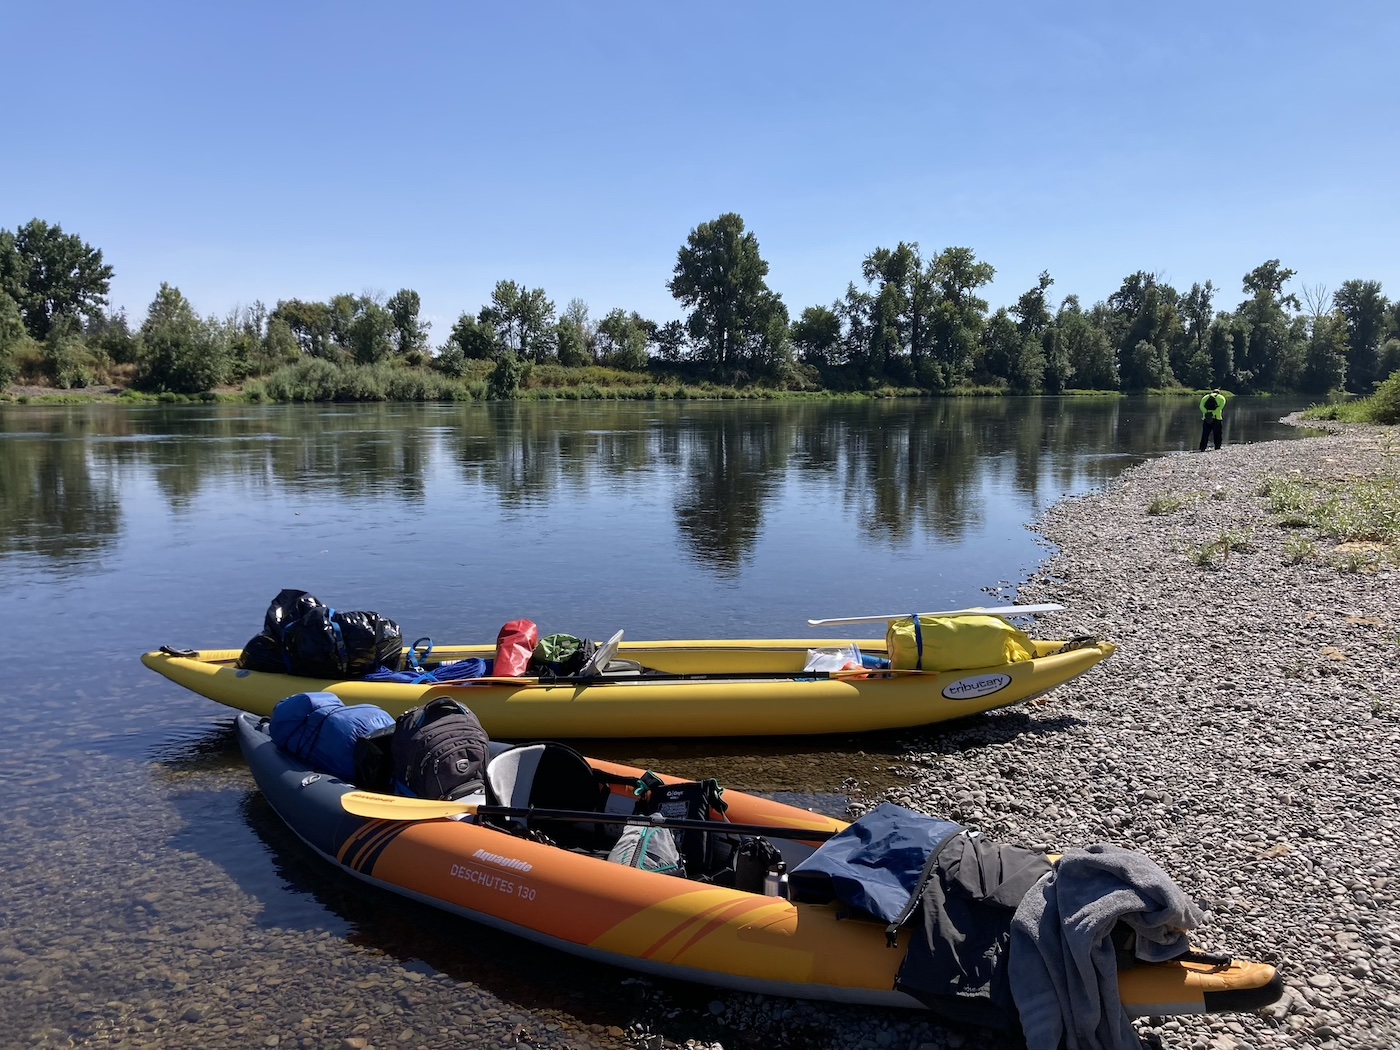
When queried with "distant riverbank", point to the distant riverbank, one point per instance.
{"points": [[436, 389]]}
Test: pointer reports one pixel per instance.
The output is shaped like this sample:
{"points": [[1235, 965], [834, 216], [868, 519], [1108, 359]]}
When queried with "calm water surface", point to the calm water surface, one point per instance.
{"points": [[152, 898]]}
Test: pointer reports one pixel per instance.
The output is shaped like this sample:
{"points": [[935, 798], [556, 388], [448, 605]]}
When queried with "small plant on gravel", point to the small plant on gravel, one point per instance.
{"points": [[1297, 550], [1364, 510], [1222, 546], [1166, 504], [1357, 559], [1287, 496]]}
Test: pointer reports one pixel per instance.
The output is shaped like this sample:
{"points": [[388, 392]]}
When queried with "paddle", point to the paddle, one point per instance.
{"points": [[397, 807], [1000, 610], [665, 676]]}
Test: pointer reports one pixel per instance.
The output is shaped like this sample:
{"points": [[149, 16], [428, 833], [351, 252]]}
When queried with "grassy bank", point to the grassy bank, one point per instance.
{"points": [[317, 380]]}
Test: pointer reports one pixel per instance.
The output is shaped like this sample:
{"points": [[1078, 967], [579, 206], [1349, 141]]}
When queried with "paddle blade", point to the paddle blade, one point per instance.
{"points": [[396, 807]]}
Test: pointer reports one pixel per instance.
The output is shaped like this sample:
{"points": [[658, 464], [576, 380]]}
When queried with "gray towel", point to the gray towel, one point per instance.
{"points": [[1064, 976]]}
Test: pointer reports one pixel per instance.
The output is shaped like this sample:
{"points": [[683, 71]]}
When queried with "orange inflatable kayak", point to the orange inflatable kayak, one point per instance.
{"points": [[651, 922]]}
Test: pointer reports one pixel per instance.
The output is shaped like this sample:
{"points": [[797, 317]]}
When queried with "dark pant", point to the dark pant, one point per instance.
{"points": [[1211, 429]]}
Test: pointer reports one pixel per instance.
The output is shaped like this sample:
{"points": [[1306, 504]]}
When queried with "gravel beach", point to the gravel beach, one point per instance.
{"points": [[1246, 735]]}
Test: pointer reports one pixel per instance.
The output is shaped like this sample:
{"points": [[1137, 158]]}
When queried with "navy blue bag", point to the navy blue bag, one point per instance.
{"points": [[319, 729], [878, 864]]}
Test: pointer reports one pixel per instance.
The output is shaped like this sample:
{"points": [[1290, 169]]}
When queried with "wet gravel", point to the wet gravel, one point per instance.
{"points": [[1245, 735]]}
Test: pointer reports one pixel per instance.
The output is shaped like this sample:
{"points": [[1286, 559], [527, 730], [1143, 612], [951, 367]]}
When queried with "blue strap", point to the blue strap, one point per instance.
{"points": [[413, 654], [918, 643], [286, 656], [340, 649]]}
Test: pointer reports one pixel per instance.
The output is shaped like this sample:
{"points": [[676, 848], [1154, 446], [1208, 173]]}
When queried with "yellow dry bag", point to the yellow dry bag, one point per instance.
{"points": [[955, 643]]}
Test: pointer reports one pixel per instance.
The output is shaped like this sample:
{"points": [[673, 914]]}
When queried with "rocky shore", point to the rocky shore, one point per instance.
{"points": [[1246, 735]]}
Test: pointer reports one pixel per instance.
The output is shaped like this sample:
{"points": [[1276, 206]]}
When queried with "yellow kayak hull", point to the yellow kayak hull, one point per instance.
{"points": [[779, 700]]}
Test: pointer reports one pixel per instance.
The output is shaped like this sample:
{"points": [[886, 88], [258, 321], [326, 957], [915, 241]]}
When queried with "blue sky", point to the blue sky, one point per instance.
{"points": [[277, 150]]}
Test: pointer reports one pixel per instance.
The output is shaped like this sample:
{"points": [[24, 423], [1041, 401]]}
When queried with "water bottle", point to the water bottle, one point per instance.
{"points": [[775, 881]]}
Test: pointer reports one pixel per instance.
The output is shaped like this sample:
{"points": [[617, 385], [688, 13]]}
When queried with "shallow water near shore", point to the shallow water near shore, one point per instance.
{"points": [[153, 897]]}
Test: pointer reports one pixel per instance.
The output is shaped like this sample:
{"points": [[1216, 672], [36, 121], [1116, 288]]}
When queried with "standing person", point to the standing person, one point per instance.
{"points": [[1212, 417]]}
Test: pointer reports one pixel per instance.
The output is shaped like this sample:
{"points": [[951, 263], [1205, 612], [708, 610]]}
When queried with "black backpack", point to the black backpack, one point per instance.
{"points": [[439, 750], [1211, 403], [374, 760]]}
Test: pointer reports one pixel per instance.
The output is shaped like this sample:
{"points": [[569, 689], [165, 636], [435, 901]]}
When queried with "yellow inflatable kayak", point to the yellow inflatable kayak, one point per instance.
{"points": [[688, 689], [587, 901]]}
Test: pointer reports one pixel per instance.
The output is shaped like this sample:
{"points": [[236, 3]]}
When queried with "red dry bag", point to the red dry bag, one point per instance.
{"points": [[514, 647]]}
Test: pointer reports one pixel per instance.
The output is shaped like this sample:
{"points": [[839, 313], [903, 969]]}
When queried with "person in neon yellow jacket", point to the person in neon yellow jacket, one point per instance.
{"points": [[1212, 418]]}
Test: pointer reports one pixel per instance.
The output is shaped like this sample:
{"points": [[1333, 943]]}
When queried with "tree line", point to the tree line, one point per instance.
{"points": [[910, 321]]}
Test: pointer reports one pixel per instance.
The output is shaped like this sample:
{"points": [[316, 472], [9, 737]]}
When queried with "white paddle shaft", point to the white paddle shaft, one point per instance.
{"points": [[1001, 610]]}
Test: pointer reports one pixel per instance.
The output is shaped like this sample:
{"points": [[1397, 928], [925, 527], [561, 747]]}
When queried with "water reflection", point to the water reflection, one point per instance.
{"points": [[901, 470], [52, 502]]}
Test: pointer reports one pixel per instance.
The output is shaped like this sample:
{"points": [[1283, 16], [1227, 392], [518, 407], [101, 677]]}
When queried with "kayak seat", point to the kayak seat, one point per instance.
{"points": [[551, 775]]}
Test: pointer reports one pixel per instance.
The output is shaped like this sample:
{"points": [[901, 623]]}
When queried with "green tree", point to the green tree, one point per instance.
{"points": [[1325, 361], [1037, 363], [1197, 313], [1226, 333], [475, 339], [1146, 366], [622, 340], [370, 334], [244, 335], [1389, 358], [576, 336], [111, 334], [1267, 324], [766, 345], [49, 273], [177, 351], [816, 335], [1143, 310], [904, 293], [886, 343], [1090, 356], [1001, 347], [854, 311], [958, 313], [523, 319], [536, 324], [506, 377], [1363, 309], [341, 312], [309, 323], [720, 277], [64, 355], [670, 341], [410, 332], [280, 346], [12, 332]]}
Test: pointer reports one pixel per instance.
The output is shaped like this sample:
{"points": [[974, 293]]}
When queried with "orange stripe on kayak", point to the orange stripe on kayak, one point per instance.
{"points": [[703, 924], [356, 839], [368, 842]]}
